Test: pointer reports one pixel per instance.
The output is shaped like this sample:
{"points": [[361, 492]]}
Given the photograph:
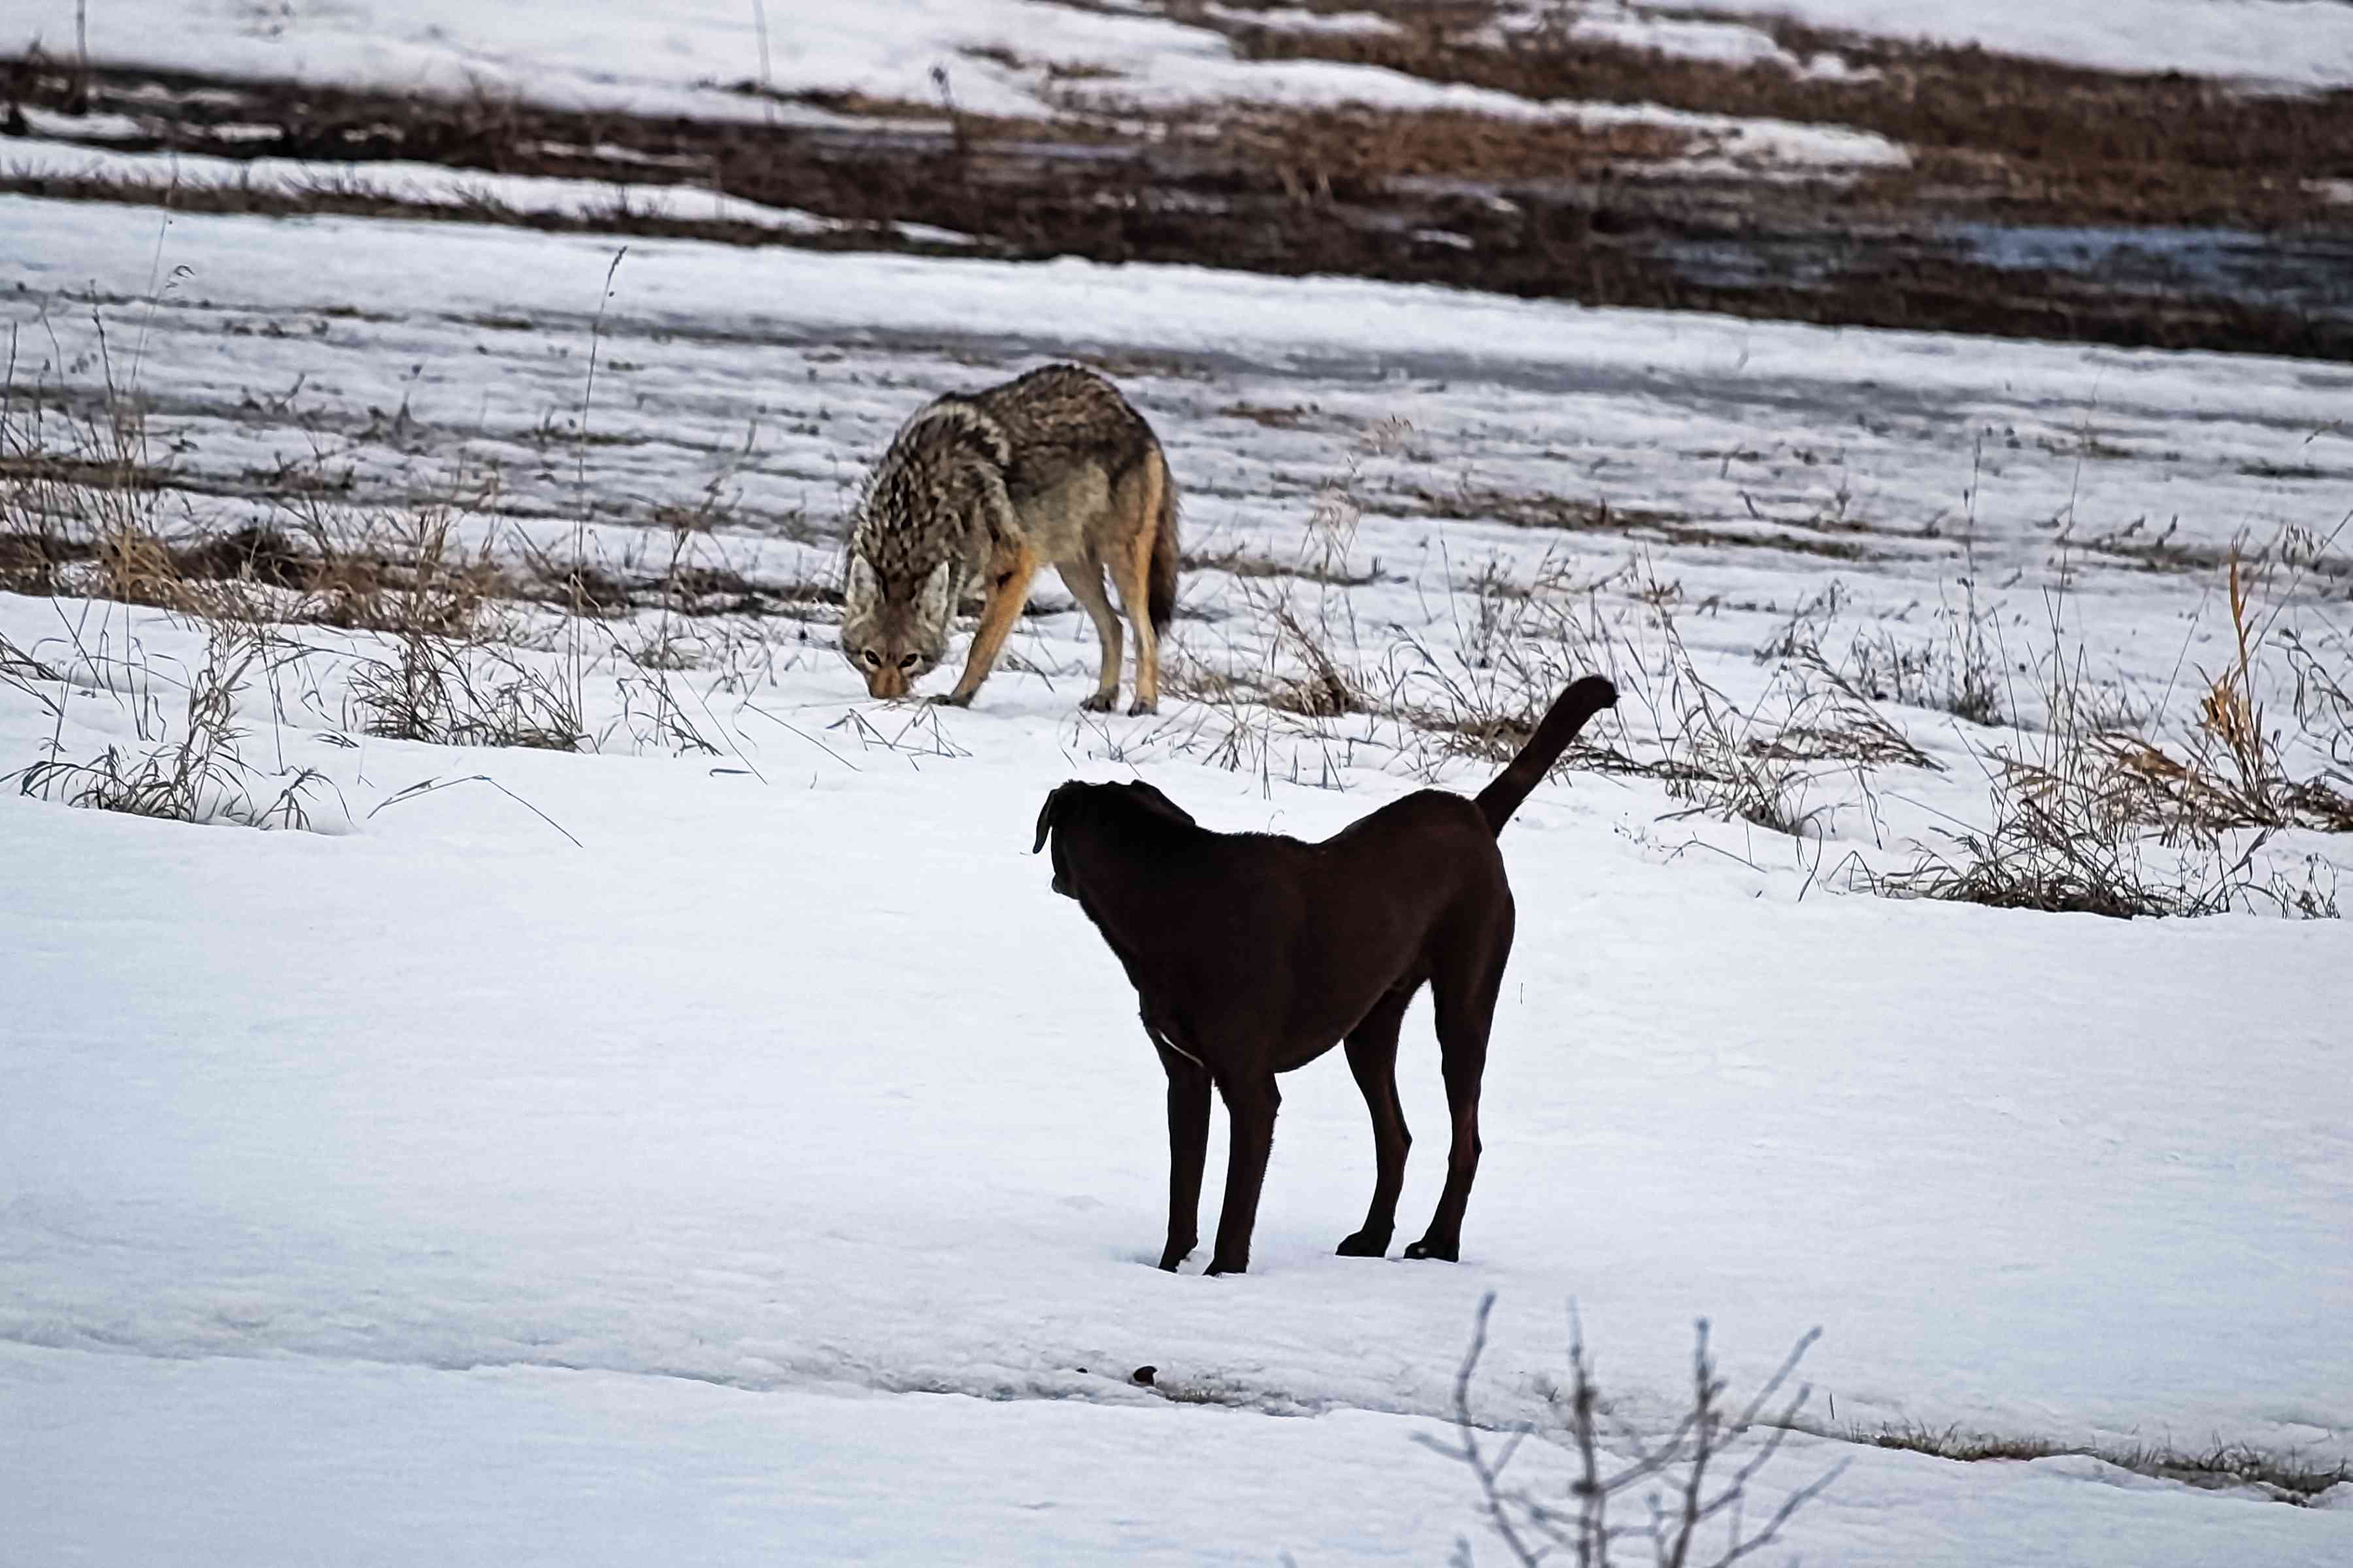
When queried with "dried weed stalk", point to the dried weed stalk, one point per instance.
{"points": [[198, 775], [2069, 831], [1692, 1484], [2233, 773], [461, 693]]}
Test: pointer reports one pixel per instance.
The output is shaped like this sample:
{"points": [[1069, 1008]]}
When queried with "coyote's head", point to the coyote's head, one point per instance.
{"points": [[894, 631], [923, 527]]}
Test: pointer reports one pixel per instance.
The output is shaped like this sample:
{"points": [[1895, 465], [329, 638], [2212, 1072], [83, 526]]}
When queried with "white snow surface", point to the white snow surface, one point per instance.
{"points": [[429, 185], [750, 1156], [279, 1461], [679, 59], [1677, 34], [788, 1086], [2303, 44]]}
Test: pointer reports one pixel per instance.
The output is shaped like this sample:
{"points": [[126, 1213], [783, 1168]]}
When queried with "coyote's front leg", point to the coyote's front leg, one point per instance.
{"points": [[1008, 591]]}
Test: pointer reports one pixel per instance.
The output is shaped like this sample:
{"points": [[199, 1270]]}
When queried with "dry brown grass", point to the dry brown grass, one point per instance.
{"points": [[193, 770], [462, 693], [83, 509], [2088, 816], [2021, 135], [2288, 1478], [2235, 770], [1529, 207], [1517, 645]]}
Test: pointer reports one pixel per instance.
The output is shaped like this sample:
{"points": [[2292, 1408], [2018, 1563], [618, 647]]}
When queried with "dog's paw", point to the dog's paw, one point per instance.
{"points": [[1447, 1250], [1101, 702], [1366, 1244], [1173, 1254], [1219, 1266], [1140, 707]]}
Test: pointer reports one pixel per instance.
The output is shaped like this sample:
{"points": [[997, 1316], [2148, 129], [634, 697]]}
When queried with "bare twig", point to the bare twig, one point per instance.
{"points": [[1675, 1470]]}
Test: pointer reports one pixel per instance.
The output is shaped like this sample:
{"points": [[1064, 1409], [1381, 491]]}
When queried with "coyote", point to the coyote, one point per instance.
{"points": [[1051, 466]]}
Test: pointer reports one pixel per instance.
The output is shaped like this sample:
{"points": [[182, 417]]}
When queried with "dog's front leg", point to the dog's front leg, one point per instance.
{"points": [[1250, 1106], [1188, 1149]]}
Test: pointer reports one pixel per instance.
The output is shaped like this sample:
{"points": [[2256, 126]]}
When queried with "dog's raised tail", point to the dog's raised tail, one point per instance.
{"points": [[1565, 717]]}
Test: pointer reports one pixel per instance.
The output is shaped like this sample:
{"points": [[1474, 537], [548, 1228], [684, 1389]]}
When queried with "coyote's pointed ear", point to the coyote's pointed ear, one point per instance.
{"points": [[861, 589], [1046, 814]]}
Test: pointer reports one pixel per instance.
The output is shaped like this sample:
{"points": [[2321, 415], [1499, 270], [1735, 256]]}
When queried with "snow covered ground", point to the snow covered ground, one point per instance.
{"points": [[1754, 464], [808, 1086], [680, 57], [394, 181], [688, 59], [776, 1156], [2291, 43], [281, 1461], [745, 1156]]}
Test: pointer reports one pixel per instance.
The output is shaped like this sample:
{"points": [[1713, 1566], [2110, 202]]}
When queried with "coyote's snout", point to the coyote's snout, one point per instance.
{"points": [[1053, 467]]}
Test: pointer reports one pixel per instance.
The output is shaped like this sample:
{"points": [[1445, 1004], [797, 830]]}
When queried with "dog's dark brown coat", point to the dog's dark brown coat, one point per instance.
{"points": [[1254, 954]]}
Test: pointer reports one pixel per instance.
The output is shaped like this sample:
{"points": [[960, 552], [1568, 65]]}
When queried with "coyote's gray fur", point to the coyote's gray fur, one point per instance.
{"points": [[1051, 467]]}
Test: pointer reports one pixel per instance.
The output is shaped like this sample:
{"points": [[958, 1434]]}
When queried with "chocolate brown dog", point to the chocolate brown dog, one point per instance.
{"points": [[1254, 954]]}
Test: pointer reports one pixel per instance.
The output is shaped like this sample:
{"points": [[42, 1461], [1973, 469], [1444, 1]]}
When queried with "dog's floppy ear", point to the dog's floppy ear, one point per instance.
{"points": [[1047, 812], [1160, 805]]}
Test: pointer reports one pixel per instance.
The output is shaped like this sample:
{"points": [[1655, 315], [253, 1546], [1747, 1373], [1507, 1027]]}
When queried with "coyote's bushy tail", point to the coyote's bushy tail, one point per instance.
{"points": [[1567, 716], [1162, 590]]}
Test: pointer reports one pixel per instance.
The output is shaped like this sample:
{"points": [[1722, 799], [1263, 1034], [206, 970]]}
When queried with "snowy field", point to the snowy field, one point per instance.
{"points": [[2284, 43], [734, 1150], [677, 58], [790, 1079]]}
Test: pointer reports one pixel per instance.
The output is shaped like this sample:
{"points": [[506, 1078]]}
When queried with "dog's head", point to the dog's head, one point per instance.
{"points": [[1117, 812]]}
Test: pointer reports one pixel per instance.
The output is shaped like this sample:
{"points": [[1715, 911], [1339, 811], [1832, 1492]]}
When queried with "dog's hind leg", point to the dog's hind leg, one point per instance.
{"points": [[1188, 1148], [1465, 996], [1372, 1057], [1250, 1105]]}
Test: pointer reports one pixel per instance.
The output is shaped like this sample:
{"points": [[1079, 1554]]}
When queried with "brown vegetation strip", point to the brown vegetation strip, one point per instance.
{"points": [[2060, 143], [1531, 208]]}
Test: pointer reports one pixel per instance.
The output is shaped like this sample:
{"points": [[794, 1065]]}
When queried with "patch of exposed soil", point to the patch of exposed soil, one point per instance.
{"points": [[2042, 202], [1994, 134]]}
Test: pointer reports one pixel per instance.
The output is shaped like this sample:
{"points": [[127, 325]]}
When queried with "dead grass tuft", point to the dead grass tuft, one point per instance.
{"points": [[461, 693], [2234, 773], [2091, 818], [195, 773], [2289, 1477]]}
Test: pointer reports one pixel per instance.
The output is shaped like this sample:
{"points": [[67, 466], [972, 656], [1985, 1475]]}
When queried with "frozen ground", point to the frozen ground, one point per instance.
{"points": [[754, 1145], [998, 56], [679, 57], [682, 58], [394, 181], [2294, 43], [365, 1464], [1745, 467], [811, 1087], [1633, 157]]}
